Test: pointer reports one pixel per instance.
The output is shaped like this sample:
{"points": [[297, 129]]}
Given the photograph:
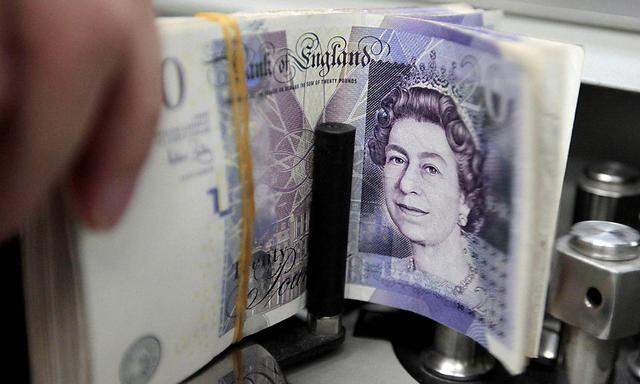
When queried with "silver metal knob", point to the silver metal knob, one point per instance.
{"points": [[604, 240]]}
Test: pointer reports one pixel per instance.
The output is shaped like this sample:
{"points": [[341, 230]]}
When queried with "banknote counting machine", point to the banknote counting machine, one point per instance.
{"points": [[591, 332]]}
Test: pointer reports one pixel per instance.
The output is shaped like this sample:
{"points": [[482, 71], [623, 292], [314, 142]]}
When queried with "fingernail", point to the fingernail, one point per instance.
{"points": [[110, 201]]}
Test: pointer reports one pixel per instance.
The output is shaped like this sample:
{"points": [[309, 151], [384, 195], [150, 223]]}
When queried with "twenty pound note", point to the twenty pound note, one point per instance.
{"points": [[436, 186], [445, 156]]}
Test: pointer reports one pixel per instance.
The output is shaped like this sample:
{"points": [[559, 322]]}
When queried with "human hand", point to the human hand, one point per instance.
{"points": [[79, 98]]}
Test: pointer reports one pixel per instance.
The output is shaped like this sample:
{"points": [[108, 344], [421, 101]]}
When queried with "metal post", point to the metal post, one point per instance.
{"points": [[456, 357], [586, 358]]}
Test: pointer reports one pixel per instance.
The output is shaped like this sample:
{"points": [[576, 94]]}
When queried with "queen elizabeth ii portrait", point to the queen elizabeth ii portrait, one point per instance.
{"points": [[431, 164]]}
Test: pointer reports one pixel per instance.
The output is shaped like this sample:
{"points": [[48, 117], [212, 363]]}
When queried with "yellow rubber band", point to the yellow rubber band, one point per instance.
{"points": [[238, 367], [240, 118]]}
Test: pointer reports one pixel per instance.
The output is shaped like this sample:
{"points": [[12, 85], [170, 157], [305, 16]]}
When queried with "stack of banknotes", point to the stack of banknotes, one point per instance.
{"points": [[462, 136]]}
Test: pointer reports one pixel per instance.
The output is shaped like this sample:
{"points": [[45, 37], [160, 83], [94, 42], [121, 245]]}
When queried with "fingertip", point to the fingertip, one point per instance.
{"points": [[100, 204], [105, 175]]}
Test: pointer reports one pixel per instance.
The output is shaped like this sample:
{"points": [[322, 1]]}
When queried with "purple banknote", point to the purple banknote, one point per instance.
{"points": [[288, 75], [436, 178]]}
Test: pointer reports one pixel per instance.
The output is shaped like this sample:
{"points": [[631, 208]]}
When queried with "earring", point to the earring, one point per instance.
{"points": [[462, 220]]}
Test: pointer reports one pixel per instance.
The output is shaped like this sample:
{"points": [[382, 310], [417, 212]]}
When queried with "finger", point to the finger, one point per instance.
{"points": [[64, 73], [103, 180], [5, 59]]}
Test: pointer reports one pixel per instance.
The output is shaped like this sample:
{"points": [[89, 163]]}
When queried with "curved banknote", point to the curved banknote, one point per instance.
{"points": [[438, 193]]}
